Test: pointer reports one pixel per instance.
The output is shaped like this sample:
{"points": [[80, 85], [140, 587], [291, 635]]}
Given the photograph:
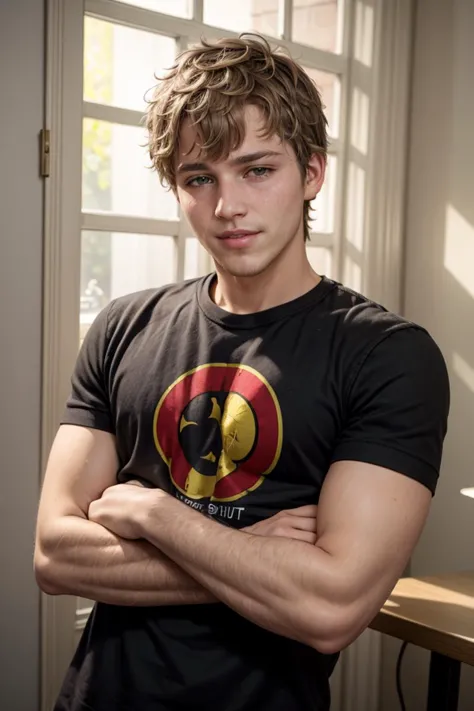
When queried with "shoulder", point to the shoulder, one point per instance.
{"points": [[359, 315], [370, 337], [397, 393], [126, 316], [389, 350], [129, 314], [364, 324], [153, 303]]}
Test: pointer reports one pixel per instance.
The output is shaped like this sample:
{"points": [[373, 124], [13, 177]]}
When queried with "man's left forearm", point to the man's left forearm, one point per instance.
{"points": [[270, 581]]}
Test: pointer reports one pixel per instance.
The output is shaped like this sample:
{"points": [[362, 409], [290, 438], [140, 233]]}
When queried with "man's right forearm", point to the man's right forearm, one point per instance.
{"points": [[80, 557]]}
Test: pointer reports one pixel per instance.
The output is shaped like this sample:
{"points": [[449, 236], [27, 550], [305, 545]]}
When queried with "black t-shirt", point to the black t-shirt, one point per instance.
{"points": [[241, 416]]}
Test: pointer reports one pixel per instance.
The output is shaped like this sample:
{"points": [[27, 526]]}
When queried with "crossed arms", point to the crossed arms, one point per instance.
{"points": [[127, 545]]}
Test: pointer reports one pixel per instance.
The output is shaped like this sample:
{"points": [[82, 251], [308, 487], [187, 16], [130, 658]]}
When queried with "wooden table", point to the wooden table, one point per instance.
{"points": [[436, 613]]}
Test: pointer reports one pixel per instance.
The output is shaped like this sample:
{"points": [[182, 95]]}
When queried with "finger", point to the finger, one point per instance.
{"points": [[308, 538], [91, 512], [301, 524], [298, 535], [310, 510]]}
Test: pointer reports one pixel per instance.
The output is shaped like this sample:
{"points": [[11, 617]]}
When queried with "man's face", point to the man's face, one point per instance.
{"points": [[246, 211]]}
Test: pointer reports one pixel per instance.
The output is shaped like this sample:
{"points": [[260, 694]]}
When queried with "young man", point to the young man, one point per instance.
{"points": [[239, 402]]}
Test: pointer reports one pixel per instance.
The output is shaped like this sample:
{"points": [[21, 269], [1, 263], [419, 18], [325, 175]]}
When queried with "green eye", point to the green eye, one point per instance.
{"points": [[198, 180], [260, 172]]}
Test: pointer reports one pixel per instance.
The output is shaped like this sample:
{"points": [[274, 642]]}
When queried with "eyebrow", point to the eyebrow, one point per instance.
{"points": [[241, 160]]}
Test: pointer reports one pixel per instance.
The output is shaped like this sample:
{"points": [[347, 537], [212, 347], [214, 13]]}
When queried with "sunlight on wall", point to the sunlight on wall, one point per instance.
{"points": [[352, 274], [459, 260], [459, 248], [360, 116], [463, 370], [355, 213]]}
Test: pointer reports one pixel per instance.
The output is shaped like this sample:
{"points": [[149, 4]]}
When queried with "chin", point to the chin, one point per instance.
{"points": [[244, 266], [245, 270]]}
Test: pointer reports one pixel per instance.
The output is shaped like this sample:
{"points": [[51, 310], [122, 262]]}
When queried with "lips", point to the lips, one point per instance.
{"points": [[237, 234]]}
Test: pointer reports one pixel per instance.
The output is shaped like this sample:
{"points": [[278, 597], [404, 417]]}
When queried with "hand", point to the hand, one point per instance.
{"points": [[299, 523], [122, 508]]}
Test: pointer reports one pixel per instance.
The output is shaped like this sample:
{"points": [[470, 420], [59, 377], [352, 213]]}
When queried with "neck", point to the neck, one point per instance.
{"points": [[278, 284]]}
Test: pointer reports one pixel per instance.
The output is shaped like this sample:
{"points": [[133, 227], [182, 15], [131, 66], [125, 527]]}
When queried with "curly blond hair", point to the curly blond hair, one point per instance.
{"points": [[212, 82]]}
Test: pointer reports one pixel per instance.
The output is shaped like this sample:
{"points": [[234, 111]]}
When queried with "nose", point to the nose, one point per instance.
{"points": [[230, 203]]}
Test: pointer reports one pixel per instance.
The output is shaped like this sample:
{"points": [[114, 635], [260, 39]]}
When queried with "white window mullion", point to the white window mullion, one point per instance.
{"points": [[112, 114], [170, 26], [137, 17], [321, 239], [343, 24], [363, 77], [285, 19], [314, 58], [198, 10], [183, 43], [111, 222], [357, 157], [344, 133], [180, 247]]}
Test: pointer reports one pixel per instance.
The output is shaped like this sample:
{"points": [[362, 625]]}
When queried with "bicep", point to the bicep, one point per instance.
{"points": [[369, 520], [82, 464]]}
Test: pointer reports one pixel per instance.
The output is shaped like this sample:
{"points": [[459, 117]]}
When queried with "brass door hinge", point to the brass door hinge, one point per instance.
{"points": [[45, 149]]}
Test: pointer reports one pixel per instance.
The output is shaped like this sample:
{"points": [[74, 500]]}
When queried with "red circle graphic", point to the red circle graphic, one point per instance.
{"points": [[263, 405]]}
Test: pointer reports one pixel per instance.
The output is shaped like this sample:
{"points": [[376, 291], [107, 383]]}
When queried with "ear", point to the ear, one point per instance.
{"points": [[315, 173]]}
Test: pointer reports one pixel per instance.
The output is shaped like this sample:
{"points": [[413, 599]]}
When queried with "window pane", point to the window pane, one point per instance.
{"points": [[179, 8], [120, 63], [191, 258], [258, 15], [320, 259], [114, 264], [196, 260], [316, 23], [116, 176], [329, 87], [322, 214]]}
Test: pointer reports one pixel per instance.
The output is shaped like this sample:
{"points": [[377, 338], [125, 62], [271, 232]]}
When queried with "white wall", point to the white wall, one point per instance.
{"points": [[21, 110], [439, 291]]}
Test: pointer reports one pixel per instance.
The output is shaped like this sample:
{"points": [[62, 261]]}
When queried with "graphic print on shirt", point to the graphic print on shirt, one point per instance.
{"points": [[218, 428]]}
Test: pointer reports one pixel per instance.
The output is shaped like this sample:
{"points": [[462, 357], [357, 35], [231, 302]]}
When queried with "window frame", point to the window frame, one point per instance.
{"points": [[186, 32]]}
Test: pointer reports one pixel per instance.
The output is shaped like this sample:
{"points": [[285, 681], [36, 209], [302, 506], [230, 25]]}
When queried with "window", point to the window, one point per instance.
{"points": [[130, 223], [132, 236]]}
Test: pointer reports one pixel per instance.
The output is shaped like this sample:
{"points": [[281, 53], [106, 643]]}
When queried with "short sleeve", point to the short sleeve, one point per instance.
{"points": [[88, 404], [398, 406]]}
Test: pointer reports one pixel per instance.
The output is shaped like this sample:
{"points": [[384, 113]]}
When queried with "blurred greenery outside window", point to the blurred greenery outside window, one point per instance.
{"points": [[96, 164]]}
